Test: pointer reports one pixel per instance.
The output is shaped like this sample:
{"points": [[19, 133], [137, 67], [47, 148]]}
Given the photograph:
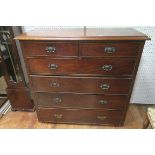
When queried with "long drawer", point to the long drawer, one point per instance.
{"points": [[109, 49], [93, 85], [105, 66], [79, 116], [49, 48], [61, 100]]}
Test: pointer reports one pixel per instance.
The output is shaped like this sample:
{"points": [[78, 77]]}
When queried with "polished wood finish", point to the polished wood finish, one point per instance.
{"points": [[62, 48], [84, 101], [123, 67], [97, 49], [79, 116], [93, 78], [90, 85], [84, 34]]}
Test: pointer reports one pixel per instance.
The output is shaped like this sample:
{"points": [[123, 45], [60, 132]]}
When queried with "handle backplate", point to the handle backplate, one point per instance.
{"points": [[107, 67], [55, 84], [103, 102], [109, 50], [104, 86], [50, 49], [101, 117], [53, 66], [57, 100], [58, 116]]}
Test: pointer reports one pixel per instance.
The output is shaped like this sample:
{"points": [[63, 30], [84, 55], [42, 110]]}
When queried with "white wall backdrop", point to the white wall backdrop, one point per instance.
{"points": [[144, 87]]}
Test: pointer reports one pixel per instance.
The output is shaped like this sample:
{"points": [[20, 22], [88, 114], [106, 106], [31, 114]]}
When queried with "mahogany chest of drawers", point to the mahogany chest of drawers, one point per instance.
{"points": [[82, 76]]}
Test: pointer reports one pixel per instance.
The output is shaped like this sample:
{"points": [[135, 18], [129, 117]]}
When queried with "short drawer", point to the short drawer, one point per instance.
{"points": [[53, 66], [108, 66], [104, 66], [81, 84], [60, 100], [47, 48], [79, 116], [124, 49]]}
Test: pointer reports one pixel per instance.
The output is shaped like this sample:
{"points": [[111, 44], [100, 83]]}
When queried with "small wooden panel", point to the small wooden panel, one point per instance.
{"points": [[20, 98], [50, 48], [79, 116], [61, 100], [115, 49], [105, 66], [81, 84]]}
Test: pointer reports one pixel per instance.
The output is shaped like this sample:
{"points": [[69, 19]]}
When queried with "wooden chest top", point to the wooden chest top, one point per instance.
{"points": [[84, 34]]}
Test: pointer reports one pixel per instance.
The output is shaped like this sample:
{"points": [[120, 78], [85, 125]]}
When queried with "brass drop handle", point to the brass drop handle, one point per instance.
{"points": [[107, 67], [109, 50], [101, 118], [58, 116], [55, 84], [50, 49], [57, 100], [104, 86], [53, 66], [103, 102]]}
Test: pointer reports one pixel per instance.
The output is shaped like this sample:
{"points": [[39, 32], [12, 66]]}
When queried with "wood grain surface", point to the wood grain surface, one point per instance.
{"points": [[84, 34], [28, 120], [82, 61]]}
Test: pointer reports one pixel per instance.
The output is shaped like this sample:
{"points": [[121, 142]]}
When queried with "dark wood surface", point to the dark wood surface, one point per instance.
{"points": [[84, 34], [70, 81], [20, 98], [97, 49], [79, 116], [86, 101], [62, 48], [120, 67], [86, 49], [81, 84]]}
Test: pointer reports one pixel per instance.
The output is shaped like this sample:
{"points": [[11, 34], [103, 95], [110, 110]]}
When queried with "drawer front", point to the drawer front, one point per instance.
{"points": [[81, 101], [79, 116], [124, 67], [105, 66], [37, 48], [110, 49], [53, 66], [81, 85]]}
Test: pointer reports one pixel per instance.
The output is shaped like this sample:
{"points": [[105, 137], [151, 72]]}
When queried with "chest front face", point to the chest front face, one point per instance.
{"points": [[82, 80]]}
